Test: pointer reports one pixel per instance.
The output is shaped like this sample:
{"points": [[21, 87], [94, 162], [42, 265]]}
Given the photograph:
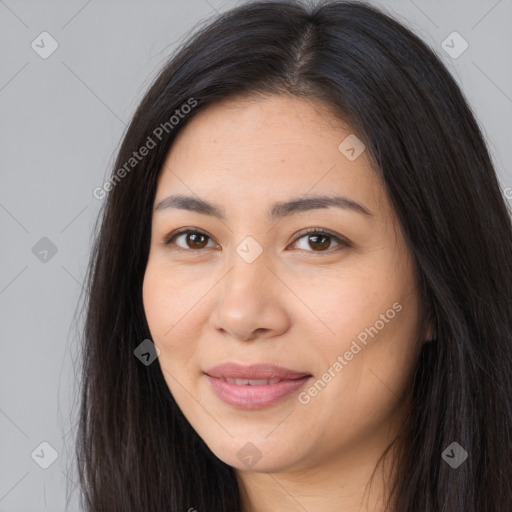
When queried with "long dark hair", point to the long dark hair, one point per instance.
{"points": [[136, 451]]}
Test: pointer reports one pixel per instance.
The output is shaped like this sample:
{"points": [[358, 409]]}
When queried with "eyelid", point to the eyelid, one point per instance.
{"points": [[321, 231], [342, 242], [168, 239]]}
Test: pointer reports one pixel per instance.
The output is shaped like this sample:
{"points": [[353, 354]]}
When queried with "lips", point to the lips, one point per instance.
{"points": [[256, 386], [254, 372], [251, 382]]}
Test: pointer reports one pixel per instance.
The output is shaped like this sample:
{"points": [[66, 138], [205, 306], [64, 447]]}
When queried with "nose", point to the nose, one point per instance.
{"points": [[251, 301]]}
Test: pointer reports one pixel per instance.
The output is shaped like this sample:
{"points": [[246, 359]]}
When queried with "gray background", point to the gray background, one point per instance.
{"points": [[62, 119]]}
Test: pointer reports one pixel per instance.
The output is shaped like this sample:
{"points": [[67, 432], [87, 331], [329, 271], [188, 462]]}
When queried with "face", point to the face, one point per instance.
{"points": [[238, 285]]}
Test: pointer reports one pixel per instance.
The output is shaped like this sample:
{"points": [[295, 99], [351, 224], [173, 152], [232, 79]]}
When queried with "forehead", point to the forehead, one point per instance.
{"points": [[257, 148]]}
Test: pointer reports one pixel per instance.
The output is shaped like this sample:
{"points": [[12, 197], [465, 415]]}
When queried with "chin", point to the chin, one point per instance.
{"points": [[260, 456]]}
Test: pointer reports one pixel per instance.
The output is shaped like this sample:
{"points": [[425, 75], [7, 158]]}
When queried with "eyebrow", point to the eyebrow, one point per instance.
{"points": [[278, 210]]}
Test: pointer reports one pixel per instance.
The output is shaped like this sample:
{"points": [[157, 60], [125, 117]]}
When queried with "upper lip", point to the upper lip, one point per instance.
{"points": [[254, 371]]}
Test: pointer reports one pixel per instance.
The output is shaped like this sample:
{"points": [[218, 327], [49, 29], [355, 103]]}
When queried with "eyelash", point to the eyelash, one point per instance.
{"points": [[312, 231]]}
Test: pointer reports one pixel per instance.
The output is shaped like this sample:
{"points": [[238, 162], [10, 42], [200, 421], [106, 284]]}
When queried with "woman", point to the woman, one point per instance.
{"points": [[300, 292]]}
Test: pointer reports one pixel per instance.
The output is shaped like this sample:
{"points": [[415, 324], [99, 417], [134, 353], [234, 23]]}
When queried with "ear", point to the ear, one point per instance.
{"points": [[431, 333]]}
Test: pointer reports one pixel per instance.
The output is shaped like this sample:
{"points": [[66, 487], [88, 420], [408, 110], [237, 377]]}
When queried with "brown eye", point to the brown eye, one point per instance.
{"points": [[195, 240], [319, 241], [190, 239], [316, 240]]}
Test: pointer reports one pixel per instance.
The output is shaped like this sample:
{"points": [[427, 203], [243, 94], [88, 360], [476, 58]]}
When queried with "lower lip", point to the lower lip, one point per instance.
{"points": [[254, 397]]}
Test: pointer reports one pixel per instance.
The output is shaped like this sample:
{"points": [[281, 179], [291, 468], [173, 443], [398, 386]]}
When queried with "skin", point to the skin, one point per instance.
{"points": [[296, 305]]}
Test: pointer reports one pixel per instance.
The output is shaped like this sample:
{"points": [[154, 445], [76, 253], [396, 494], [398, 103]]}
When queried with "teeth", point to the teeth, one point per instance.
{"points": [[251, 382]]}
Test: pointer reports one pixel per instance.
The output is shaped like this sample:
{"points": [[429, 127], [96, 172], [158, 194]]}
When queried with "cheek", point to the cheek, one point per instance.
{"points": [[157, 305], [170, 314], [373, 321], [374, 377], [350, 300], [171, 329]]}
